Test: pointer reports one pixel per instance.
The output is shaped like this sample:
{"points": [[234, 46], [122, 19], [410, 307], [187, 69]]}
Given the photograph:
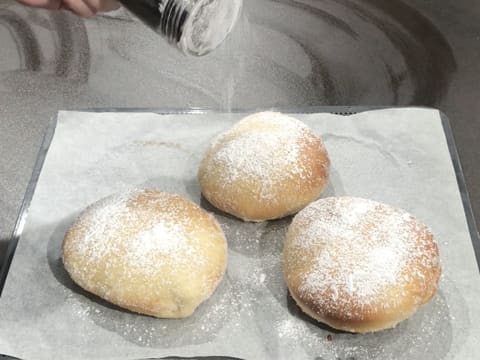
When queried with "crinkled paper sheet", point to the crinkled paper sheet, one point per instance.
{"points": [[396, 156]]}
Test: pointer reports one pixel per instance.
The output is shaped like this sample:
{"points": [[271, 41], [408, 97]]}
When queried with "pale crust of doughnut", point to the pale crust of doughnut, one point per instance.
{"points": [[362, 327], [416, 284], [160, 283], [290, 186]]}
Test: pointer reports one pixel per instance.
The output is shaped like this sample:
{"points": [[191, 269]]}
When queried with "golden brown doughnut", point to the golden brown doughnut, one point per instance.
{"points": [[147, 251], [358, 265], [267, 166]]}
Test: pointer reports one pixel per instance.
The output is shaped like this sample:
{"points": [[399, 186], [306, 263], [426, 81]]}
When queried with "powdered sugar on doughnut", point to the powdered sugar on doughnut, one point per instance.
{"points": [[162, 238], [163, 241], [98, 222], [241, 157], [147, 251], [265, 147], [168, 240], [361, 249]]}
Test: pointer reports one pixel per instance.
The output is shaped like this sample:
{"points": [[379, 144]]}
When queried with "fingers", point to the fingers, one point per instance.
{"points": [[46, 4], [103, 5], [83, 8], [87, 8], [79, 7]]}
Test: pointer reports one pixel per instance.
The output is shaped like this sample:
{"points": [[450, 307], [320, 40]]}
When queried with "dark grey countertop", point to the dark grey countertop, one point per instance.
{"points": [[283, 53]]}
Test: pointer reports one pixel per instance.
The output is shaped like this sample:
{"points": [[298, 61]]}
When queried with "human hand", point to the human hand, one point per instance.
{"points": [[84, 8]]}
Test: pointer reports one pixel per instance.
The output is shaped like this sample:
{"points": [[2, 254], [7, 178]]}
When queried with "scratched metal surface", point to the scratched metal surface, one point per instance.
{"points": [[283, 53]]}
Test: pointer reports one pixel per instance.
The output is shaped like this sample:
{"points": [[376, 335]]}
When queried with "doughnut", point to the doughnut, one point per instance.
{"points": [[147, 251], [358, 265], [267, 166]]}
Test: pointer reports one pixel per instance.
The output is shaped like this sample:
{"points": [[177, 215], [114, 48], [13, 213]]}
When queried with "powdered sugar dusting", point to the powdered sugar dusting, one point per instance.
{"points": [[241, 158], [166, 239], [265, 147], [170, 236], [361, 248], [144, 238], [98, 221]]}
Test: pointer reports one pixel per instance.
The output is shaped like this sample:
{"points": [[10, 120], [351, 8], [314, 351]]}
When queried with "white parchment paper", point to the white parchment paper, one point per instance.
{"points": [[395, 156]]}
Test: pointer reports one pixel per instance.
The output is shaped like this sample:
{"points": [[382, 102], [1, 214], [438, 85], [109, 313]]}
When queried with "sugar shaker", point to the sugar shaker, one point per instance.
{"points": [[195, 26]]}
